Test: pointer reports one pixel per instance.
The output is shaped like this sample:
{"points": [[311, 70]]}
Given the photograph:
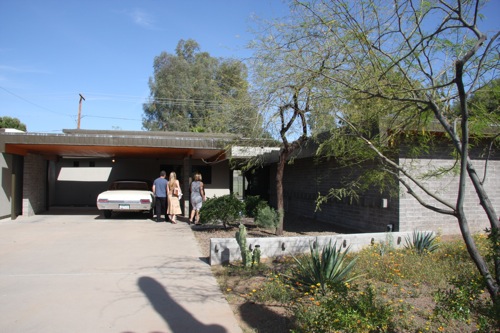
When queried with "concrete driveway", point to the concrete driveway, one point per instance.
{"points": [[72, 271]]}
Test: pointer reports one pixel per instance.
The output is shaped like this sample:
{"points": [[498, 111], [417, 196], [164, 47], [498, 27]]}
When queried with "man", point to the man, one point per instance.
{"points": [[160, 191]]}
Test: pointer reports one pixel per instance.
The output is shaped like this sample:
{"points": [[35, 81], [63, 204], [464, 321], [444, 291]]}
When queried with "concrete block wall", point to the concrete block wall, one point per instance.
{"points": [[227, 250], [306, 178], [34, 185], [6, 166], [413, 216]]}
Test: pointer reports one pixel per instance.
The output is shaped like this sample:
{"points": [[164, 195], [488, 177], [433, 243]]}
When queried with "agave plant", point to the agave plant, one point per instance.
{"points": [[327, 269], [422, 242]]}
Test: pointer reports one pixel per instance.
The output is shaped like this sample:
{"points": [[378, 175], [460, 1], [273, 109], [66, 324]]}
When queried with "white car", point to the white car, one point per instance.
{"points": [[126, 195]]}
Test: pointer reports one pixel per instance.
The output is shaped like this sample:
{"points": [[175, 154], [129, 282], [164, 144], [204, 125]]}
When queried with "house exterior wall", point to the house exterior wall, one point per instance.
{"points": [[79, 181], [5, 195], [306, 178], [34, 185], [79, 185], [413, 216]]}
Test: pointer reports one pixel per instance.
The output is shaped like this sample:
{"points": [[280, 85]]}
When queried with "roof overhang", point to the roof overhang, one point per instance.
{"points": [[118, 144]]}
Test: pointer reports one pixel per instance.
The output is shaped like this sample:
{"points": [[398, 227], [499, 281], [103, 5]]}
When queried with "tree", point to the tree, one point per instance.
{"points": [[286, 97], [405, 64], [192, 91], [9, 122]]}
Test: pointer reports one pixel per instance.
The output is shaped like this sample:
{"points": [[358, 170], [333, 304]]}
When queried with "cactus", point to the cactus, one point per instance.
{"points": [[256, 256], [241, 238]]}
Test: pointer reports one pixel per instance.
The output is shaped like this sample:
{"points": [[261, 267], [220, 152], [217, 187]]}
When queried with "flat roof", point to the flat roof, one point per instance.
{"points": [[106, 144]]}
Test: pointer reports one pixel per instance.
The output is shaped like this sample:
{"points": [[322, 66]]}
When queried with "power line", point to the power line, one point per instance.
{"points": [[34, 104]]}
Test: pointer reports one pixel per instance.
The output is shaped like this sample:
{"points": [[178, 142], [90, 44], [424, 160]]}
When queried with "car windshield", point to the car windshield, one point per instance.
{"points": [[141, 186]]}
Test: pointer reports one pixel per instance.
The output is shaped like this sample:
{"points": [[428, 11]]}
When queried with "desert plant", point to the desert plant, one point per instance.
{"points": [[267, 217], [248, 257], [422, 242], [225, 209], [252, 205], [327, 269], [352, 311], [241, 238]]}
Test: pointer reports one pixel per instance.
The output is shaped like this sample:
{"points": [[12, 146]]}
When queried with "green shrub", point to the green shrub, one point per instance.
{"points": [[464, 301], [252, 205], [422, 242], [328, 269], [267, 217], [225, 209], [348, 311], [274, 290]]}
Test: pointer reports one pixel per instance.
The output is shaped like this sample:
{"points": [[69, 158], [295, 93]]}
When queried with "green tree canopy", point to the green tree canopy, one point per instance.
{"points": [[9, 122], [192, 91]]}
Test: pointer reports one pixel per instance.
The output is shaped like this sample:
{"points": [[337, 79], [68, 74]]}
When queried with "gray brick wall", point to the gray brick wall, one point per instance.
{"points": [[306, 178], [413, 216], [34, 185]]}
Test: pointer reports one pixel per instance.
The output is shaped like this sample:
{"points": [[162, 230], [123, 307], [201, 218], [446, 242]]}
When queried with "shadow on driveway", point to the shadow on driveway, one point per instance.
{"points": [[176, 317]]}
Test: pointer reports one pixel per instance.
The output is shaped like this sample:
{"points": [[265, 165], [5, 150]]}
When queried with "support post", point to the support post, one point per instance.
{"points": [[80, 110]]}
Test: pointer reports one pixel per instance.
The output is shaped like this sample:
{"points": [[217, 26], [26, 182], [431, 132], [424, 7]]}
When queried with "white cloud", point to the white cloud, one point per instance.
{"points": [[142, 19]]}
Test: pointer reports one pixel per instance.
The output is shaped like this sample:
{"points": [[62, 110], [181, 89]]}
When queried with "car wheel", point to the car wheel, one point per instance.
{"points": [[107, 214]]}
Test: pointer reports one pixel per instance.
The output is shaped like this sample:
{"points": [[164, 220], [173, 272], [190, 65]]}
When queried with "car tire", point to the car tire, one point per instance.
{"points": [[107, 214], [151, 213]]}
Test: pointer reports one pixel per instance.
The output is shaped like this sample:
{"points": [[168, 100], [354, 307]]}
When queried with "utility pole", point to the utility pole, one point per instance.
{"points": [[80, 110]]}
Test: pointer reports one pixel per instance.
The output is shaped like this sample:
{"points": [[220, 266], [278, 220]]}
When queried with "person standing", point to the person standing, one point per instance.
{"points": [[160, 192], [197, 197], [173, 193]]}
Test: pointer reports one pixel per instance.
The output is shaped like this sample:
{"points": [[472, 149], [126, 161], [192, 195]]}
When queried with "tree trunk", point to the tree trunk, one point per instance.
{"points": [[279, 191]]}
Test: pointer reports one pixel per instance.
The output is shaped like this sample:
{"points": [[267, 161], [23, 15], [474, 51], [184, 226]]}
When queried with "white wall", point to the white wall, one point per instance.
{"points": [[79, 186]]}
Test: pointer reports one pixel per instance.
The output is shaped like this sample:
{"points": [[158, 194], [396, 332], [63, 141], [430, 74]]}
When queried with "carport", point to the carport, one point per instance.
{"points": [[43, 170]]}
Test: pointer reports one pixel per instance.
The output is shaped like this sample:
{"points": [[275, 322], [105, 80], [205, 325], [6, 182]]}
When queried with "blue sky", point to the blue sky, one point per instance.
{"points": [[51, 51]]}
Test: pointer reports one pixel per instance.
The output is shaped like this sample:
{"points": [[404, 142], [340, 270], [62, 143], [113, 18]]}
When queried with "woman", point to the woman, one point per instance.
{"points": [[197, 197], [173, 193]]}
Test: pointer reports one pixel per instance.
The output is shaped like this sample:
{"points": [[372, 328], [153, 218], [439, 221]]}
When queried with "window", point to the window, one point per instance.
{"points": [[206, 172]]}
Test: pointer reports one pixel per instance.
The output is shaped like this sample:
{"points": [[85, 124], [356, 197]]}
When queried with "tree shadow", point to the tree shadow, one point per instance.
{"points": [[261, 319], [177, 318]]}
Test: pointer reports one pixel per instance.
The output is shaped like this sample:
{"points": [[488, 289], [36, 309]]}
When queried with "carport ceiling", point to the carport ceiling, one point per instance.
{"points": [[68, 151]]}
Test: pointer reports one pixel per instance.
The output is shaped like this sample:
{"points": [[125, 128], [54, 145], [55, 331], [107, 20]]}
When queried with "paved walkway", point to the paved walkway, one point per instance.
{"points": [[75, 272]]}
